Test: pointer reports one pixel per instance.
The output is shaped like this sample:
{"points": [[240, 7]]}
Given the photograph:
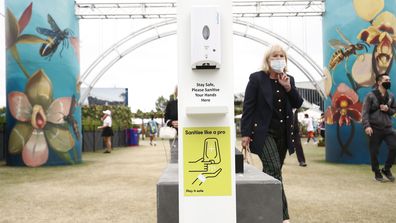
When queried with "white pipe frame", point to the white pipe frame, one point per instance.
{"points": [[114, 48]]}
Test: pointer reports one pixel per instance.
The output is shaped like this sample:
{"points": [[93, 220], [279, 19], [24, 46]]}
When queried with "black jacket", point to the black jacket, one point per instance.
{"points": [[258, 109], [373, 117], [171, 112]]}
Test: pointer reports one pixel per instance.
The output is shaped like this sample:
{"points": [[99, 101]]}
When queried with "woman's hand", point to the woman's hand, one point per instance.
{"points": [[368, 131], [175, 124], [246, 141], [284, 80]]}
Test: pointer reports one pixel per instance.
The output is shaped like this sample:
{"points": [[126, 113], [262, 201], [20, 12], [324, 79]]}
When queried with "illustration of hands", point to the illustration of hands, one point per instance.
{"points": [[207, 164], [202, 177]]}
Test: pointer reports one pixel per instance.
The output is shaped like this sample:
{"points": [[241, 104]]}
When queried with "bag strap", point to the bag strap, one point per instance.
{"points": [[163, 145], [247, 155], [166, 154]]}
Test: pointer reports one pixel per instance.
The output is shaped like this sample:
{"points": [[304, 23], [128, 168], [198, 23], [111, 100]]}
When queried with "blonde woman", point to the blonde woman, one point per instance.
{"points": [[107, 131], [267, 119]]}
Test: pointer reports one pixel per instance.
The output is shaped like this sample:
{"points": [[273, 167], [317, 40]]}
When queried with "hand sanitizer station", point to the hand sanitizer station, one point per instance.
{"points": [[206, 112]]}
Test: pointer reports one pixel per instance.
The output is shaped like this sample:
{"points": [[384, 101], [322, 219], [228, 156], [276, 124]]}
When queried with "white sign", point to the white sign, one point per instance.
{"points": [[206, 112]]}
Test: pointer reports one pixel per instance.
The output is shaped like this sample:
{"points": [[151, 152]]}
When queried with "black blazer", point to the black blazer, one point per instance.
{"points": [[171, 112], [258, 108]]}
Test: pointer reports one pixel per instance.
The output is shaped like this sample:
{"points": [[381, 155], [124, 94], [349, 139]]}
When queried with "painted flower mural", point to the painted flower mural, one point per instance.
{"points": [[328, 84], [40, 121], [362, 72], [381, 35], [44, 124], [345, 106], [370, 55], [14, 36]]}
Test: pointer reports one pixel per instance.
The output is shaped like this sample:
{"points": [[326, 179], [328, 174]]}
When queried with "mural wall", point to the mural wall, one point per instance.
{"points": [[42, 57], [358, 46]]}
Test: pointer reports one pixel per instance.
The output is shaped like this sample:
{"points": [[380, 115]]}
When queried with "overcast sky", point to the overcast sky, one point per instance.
{"points": [[150, 71]]}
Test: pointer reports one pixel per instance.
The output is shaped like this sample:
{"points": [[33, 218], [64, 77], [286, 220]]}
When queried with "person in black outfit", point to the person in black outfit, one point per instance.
{"points": [[171, 119], [322, 126], [267, 118], [297, 140], [107, 131], [378, 108]]}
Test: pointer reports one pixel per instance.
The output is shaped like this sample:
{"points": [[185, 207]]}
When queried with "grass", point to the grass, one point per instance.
{"points": [[121, 187], [328, 192]]}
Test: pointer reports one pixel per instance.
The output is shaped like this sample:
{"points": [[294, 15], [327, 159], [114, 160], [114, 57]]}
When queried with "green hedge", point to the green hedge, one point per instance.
{"points": [[2, 117], [121, 117]]}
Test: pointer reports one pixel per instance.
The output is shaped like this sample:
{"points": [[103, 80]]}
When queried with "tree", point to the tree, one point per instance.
{"points": [[238, 103], [2, 115], [160, 104], [139, 114]]}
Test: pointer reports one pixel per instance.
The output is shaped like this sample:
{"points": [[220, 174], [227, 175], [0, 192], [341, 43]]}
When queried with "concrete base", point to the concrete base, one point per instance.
{"points": [[258, 196]]}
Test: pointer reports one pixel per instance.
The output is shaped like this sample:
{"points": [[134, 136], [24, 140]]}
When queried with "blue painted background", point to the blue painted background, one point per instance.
{"points": [[62, 70], [345, 18]]}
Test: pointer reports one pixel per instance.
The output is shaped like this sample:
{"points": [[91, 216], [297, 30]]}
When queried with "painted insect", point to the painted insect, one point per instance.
{"points": [[55, 37], [343, 51], [70, 118]]}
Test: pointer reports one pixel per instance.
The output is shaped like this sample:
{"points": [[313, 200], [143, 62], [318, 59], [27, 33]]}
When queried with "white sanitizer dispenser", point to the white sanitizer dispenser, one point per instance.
{"points": [[205, 38]]}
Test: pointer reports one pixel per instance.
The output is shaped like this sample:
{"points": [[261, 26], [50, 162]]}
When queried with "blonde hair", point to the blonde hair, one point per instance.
{"points": [[266, 66]]}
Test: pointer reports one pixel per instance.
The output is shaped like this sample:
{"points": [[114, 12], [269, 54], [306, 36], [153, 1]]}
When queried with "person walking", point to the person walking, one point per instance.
{"points": [[107, 131], [322, 126], [171, 120], [297, 140], [378, 108], [153, 128], [308, 122], [267, 118]]}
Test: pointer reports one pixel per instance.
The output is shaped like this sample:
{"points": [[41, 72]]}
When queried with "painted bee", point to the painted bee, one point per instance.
{"points": [[70, 118], [55, 37], [343, 51]]}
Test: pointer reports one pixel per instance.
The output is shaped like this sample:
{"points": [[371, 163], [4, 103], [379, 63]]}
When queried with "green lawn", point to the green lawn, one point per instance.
{"points": [[121, 187], [328, 192]]}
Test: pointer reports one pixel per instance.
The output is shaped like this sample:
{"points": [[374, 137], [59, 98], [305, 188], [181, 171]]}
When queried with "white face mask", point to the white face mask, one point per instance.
{"points": [[278, 65]]}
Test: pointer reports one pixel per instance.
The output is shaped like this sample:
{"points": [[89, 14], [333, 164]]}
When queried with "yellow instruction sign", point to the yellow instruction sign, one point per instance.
{"points": [[207, 161]]}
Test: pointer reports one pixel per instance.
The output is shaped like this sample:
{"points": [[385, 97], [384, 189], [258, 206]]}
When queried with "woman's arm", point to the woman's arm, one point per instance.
{"points": [[293, 95], [249, 105], [105, 124]]}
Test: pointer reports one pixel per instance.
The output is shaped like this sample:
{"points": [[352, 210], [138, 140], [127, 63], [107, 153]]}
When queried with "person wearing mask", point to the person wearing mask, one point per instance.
{"points": [[267, 118], [107, 131], [171, 119], [378, 108]]}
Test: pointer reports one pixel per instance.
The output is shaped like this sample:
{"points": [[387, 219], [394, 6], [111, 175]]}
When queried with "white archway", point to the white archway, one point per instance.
{"points": [[167, 28]]}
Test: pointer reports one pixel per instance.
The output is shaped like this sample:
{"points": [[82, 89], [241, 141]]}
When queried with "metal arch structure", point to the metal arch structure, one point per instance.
{"points": [[111, 9], [295, 48], [155, 27]]}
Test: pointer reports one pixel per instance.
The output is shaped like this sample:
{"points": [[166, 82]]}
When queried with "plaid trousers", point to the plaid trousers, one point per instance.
{"points": [[272, 158]]}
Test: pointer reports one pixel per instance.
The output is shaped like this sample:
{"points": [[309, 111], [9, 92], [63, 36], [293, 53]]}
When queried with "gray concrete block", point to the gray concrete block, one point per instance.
{"points": [[238, 161], [258, 197]]}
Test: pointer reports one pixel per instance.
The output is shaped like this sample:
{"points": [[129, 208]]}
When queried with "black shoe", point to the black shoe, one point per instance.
{"points": [[388, 174], [378, 176], [303, 164], [106, 151]]}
